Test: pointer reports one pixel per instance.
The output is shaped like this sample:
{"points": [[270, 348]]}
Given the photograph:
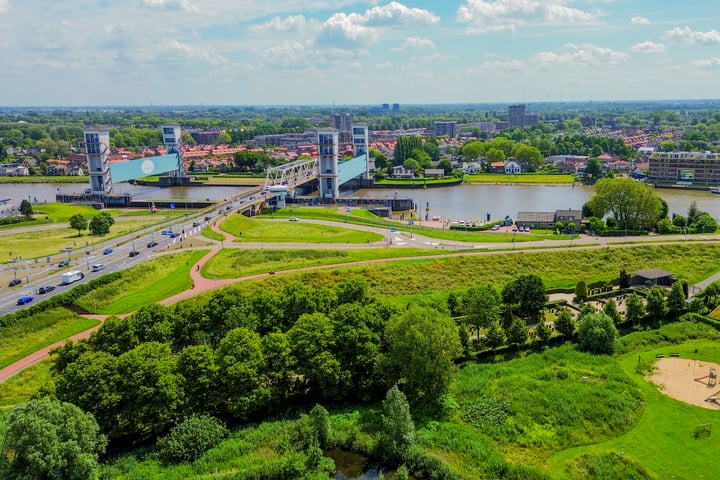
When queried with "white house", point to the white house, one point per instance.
{"points": [[512, 168]]}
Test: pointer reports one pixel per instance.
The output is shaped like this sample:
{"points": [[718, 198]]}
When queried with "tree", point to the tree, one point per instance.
{"points": [[100, 224], [528, 293], [597, 333], [565, 323], [632, 204], [398, 427], [311, 340], [610, 309], [705, 223], [482, 306], [422, 345], [49, 439], [593, 167], [693, 213], [241, 364], [676, 300], [495, 155], [655, 303], [634, 309], [473, 150], [446, 166], [78, 222], [26, 209], [679, 221], [404, 146], [581, 290], [517, 333], [189, 440], [530, 156], [543, 332], [495, 336], [320, 421]]}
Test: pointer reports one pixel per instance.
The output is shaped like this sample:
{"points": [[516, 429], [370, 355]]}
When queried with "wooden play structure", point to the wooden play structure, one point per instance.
{"points": [[711, 378]]}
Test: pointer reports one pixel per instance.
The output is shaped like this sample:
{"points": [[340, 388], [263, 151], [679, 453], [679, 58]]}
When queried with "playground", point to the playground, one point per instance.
{"points": [[691, 381]]}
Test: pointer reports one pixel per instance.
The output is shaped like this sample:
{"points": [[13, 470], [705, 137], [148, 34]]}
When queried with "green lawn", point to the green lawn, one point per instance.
{"points": [[255, 230], [520, 178], [231, 263], [143, 284], [662, 441], [45, 179], [23, 386], [39, 331]]}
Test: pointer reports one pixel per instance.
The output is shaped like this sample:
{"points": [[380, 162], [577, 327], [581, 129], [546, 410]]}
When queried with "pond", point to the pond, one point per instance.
{"points": [[353, 466]]}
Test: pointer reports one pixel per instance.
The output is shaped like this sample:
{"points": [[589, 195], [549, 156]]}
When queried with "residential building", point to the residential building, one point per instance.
{"points": [[512, 167], [445, 128], [685, 167], [516, 115]]}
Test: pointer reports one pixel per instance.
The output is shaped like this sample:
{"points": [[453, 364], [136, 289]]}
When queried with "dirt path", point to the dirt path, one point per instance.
{"points": [[202, 284]]}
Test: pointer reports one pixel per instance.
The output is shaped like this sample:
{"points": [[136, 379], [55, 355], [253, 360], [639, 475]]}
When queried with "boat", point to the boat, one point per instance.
{"points": [[715, 190]]}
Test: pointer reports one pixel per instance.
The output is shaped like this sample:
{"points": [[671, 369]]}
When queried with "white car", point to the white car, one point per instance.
{"points": [[293, 219]]}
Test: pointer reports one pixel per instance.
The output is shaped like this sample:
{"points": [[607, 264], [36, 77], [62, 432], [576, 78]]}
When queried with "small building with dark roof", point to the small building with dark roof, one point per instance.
{"points": [[653, 276]]}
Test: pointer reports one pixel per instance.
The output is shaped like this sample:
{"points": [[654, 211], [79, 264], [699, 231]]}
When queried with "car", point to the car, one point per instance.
{"points": [[25, 299], [64, 263], [174, 235], [97, 267], [196, 224], [208, 218], [134, 253], [293, 219], [46, 289], [515, 228], [14, 282], [152, 244], [107, 251]]}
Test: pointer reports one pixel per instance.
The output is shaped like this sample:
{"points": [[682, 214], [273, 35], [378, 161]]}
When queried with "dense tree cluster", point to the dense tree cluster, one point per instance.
{"points": [[240, 355]]}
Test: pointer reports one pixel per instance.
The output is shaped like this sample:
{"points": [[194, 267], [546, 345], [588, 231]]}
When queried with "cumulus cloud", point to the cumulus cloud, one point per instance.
{"points": [[194, 53], [415, 43], [648, 47], [357, 30], [171, 5], [281, 25], [287, 55], [585, 54], [488, 16], [707, 63], [639, 21], [688, 35]]}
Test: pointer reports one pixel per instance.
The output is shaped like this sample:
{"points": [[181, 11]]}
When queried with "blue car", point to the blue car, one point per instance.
{"points": [[107, 251], [24, 300]]}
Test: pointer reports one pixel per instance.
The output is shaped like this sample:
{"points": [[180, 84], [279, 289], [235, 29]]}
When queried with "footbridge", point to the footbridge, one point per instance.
{"points": [[306, 170]]}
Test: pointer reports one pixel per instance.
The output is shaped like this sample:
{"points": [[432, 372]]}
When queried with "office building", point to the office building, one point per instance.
{"points": [[685, 167]]}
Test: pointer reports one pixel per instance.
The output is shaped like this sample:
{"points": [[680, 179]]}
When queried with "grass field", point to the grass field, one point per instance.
{"points": [[23, 386], [253, 230], [39, 331], [521, 178], [42, 179], [231, 263], [143, 284]]}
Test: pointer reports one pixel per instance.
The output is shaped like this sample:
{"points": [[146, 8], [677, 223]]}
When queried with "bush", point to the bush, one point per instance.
{"points": [[190, 439], [422, 465], [597, 333]]}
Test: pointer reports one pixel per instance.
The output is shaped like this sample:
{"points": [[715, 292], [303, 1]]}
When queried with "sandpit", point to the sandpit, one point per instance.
{"points": [[676, 378]]}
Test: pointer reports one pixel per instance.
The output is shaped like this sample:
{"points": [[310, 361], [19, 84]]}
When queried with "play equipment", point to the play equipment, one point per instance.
{"points": [[711, 378], [642, 366]]}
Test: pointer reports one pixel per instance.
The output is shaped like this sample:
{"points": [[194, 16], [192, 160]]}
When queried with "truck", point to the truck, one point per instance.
{"points": [[71, 277]]}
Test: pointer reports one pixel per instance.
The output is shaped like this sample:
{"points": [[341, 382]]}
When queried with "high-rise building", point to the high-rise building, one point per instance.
{"points": [[396, 108], [516, 115], [97, 148], [361, 142], [328, 163], [172, 138], [342, 121], [446, 128]]}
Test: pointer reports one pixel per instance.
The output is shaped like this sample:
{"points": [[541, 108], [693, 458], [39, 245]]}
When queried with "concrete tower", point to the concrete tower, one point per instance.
{"points": [[97, 148], [361, 144], [328, 163], [172, 138]]}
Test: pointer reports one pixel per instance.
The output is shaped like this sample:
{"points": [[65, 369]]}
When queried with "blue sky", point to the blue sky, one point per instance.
{"points": [[252, 52]]}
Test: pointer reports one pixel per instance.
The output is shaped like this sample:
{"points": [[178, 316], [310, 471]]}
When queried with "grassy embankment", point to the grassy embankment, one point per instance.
{"points": [[364, 217], [45, 179], [143, 284], [537, 178], [253, 230]]}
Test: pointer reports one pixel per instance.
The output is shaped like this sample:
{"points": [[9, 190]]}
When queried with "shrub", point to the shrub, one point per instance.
{"points": [[191, 438], [597, 333]]}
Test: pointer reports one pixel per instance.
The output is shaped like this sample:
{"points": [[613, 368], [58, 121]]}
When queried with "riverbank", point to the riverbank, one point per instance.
{"points": [[522, 178]]}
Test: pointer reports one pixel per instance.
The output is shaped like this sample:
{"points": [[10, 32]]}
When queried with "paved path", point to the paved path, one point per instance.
{"points": [[202, 284]]}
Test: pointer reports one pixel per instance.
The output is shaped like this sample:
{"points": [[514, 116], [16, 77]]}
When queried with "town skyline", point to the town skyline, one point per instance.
{"points": [[345, 52]]}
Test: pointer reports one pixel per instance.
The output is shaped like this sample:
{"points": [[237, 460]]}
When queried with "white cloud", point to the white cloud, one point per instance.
{"points": [[293, 23], [415, 43], [707, 63], [648, 47], [195, 54], [687, 35], [584, 55], [355, 30], [4, 4], [640, 21], [395, 13], [488, 16], [171, 5], [287, 55]]}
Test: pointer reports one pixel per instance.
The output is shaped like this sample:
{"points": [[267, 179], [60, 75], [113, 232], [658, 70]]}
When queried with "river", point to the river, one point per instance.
{"points": [[462, 202]]}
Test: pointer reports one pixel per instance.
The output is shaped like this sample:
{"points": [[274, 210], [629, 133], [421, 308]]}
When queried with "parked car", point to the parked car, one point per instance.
{"points": [[14, 282], [107, 251], [64, 263], [152, 244], [25, 299], [134, 253], [46, 289]]}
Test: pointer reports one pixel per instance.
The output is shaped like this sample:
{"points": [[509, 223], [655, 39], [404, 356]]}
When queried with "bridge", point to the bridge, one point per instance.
{"points": [[303, 171]]}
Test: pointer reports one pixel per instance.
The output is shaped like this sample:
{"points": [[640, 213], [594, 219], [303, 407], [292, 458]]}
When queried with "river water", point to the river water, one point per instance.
{"points": [[461, 202]]}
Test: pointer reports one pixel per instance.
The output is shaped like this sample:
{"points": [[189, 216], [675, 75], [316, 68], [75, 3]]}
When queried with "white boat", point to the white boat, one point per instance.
{"points": [[715, 190]]}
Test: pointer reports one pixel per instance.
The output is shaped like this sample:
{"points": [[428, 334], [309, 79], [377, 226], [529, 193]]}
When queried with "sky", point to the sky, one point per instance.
{"points": [[350, 52]]}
